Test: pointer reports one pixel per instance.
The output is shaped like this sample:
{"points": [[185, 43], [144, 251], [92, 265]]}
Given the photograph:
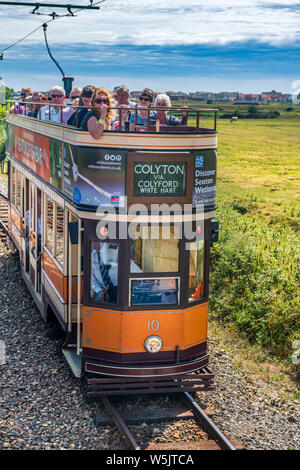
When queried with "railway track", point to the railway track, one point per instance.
{"points": [[187, 409]]}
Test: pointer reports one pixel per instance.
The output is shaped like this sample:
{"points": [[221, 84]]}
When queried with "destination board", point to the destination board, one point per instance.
{"points": [[159, 179]]}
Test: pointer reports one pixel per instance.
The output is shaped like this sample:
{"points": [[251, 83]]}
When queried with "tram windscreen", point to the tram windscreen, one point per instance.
{"points": [[196, 271], [155, 250], [163, 291]]}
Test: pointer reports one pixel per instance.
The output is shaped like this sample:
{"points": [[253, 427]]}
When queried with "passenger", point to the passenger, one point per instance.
{"points": [[33, 109], [17, 108], [75, 93], [84, 100], [57, 112], [27, 106], [145, 99], [99, 116], [122, 95], [164, 118]]}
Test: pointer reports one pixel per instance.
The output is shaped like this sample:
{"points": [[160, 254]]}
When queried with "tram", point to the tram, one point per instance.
{"points": [[114, 239]]}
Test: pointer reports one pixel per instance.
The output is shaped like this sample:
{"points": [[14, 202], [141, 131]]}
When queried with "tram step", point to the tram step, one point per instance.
{"points": [[74, 361]]}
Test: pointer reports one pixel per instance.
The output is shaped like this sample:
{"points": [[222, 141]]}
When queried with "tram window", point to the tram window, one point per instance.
{"points": [[18, 191], [104, 259], [154, 291], [30, 221], [155, 251], [13, 186], [196, 271], [49, 233], [59, 235]]}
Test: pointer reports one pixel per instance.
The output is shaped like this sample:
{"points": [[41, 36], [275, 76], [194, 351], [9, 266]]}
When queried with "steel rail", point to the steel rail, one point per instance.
{"points": [[120, 423], [225, 444]]}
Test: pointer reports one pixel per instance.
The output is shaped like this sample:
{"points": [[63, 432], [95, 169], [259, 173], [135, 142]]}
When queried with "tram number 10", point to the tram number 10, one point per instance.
{"points": [[153, 325]]}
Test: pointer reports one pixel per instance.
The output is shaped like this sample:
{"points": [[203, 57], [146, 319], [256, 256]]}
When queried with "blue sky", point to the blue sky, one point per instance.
{"points": [[229, 45]]}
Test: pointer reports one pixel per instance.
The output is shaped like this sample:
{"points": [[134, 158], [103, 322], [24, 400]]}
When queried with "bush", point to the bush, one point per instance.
{"points": [[255, 281]]}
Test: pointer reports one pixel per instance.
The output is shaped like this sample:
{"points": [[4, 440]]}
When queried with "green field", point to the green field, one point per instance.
{"points": [[259, 168]]}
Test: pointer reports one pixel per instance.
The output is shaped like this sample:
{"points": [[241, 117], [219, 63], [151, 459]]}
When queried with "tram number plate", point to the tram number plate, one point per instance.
{"points": [[153, 325]]}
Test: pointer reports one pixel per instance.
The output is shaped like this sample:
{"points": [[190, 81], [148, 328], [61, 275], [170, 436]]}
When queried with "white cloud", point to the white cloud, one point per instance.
{"points": [[135, 22]]}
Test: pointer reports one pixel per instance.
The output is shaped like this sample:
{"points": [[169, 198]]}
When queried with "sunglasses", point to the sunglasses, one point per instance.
{"points": [[23, 94], [86, 94], [75, 97], [100, 100], [57, 96], [144, 98]]}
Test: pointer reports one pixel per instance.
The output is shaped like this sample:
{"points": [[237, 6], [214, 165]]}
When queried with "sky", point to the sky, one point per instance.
{"points": [[228, 45]]}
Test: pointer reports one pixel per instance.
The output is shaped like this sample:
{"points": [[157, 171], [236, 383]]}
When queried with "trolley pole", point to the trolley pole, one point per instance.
{"points": [[67, 80]]}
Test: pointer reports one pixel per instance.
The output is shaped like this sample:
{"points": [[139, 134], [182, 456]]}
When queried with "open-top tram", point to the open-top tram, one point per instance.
{"points": [[114, 239]]}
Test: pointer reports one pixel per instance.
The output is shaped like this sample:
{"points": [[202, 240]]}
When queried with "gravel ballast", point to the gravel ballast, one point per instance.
{"points": [[42, 405]]}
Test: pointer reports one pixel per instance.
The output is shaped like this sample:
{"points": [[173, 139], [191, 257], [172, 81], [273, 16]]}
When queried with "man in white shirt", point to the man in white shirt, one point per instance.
{"points": [[57, 112]]}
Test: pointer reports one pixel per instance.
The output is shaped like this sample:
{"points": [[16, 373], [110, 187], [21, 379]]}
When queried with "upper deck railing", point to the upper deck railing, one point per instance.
{"points": [[190, 117]]}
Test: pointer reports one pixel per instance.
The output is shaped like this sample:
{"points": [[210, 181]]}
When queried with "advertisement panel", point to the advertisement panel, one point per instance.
{"points": [[94, 176], [205, 177], [31, 149]]}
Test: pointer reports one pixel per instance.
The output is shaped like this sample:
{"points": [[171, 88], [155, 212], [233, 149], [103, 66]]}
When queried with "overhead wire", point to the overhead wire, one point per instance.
{"points": [[49, 21]]}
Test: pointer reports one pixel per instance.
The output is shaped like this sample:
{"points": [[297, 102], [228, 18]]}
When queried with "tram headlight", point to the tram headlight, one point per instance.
{"points": [[153, 344]]}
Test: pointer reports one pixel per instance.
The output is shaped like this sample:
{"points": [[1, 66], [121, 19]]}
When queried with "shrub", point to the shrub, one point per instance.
{"points": [[255, 281]]}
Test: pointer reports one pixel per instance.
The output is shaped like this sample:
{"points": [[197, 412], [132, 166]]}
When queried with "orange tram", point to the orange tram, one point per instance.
{"points": [[89, 219]]}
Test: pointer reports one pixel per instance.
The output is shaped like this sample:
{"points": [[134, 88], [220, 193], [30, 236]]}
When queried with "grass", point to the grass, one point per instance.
{"points": [[259, 168], [255, 362]]}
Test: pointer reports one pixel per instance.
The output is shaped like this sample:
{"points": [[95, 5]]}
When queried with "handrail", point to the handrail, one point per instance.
{"points": [[120, 110]]}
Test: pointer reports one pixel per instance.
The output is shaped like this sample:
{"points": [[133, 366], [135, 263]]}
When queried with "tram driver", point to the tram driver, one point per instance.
{"points": [[104, 273]]}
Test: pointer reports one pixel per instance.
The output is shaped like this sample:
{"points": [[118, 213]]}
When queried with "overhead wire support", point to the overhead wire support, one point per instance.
{"points": [[93, 6], [36, 5], [53, 15]]}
